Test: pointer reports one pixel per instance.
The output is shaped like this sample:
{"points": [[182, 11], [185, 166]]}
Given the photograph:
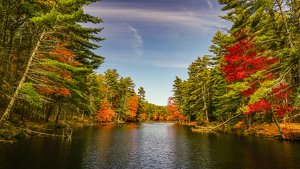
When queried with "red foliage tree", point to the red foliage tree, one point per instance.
{"points": [[242, 60], [181, 118], [176, 113]]}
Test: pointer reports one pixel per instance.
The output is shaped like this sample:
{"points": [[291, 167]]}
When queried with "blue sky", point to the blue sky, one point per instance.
{"points": [[154, 41]]}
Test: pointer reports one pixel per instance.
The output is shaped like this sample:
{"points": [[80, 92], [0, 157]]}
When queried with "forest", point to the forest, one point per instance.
{"points": [[48, 69], [254, 73]]}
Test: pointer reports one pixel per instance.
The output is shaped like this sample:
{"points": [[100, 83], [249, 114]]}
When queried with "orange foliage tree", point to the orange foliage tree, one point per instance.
{"points": [[155, 116], [173, 113], [161, 117], [143, 117], [169, 118], [176, 113], [105, 113], [171, 107], [61, 54], [132, 104]]}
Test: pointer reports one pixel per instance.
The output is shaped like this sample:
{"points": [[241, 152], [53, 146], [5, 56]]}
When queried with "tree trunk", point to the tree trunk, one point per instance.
{"points": [[295, 8], [13, 109], [14, 98], [285, 23], [49, 111], [245, 119], [23, 110], [125, 101], [64, 115], [30, 114], [226, 121], [206, 113], [277, 124], [204, 101], [46, 107], [59, 111], [250, 118], [190, 117], [72, 115], [82, 115]]}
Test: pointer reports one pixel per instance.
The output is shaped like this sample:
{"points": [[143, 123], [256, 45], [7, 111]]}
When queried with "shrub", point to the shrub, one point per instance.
{"points": [[21, 134]]}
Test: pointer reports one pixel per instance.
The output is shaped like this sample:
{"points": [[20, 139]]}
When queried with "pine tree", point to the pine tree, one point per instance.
{"points": [[52, 24]]}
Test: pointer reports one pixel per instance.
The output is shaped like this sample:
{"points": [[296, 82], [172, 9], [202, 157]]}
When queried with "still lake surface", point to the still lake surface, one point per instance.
{"points": [[155, 145]]}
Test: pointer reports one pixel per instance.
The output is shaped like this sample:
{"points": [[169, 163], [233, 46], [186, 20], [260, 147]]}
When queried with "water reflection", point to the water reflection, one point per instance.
{"points": [[158, 145]]}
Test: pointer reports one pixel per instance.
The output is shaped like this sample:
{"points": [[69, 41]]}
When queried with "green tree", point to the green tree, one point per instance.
{"points": [[48, 23], [198, 91], [141, 105]]}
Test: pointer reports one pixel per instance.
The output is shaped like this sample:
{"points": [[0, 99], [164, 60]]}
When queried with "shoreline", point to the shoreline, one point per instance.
{"points": [[270, 131]]}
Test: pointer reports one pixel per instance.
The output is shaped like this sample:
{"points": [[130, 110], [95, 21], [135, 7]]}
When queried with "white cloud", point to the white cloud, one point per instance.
{"points": [[128, 30], [136, 35], [210, 4], [203, 21], [138, 43], [175, 34]]}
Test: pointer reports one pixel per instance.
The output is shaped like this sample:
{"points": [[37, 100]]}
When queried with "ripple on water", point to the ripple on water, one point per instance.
{"points": [[155, 145]]}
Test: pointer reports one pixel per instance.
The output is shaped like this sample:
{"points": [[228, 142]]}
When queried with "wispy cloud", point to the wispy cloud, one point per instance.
{"points": [[176, 35], [183, 18], [210, 4], [134, 32], [138, 43]]}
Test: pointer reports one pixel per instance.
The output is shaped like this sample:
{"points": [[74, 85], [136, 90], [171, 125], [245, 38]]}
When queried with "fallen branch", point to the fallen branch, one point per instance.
{"points": [[200, 127], [34, 133], [226, 121], [291, 117], [7, 141]]}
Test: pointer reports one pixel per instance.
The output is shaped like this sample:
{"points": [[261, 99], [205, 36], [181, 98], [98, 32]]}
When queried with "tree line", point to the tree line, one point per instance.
{"points": [[47, 68], [116, 100], [254, 71]]}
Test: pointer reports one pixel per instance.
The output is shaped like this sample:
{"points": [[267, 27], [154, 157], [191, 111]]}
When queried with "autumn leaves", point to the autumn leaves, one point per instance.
{"points": [[245, 65]]}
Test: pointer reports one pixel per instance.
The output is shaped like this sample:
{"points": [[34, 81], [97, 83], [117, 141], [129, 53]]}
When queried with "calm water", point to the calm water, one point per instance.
{"points": [[158, 145]]}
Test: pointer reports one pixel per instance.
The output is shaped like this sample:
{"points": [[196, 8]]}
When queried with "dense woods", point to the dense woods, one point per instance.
{"points": [[50, 86], [46, 59], [47, 68], [255, 68]]}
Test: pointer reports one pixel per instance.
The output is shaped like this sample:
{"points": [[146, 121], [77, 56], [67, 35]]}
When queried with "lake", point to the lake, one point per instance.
{"points": [[153, 145]]}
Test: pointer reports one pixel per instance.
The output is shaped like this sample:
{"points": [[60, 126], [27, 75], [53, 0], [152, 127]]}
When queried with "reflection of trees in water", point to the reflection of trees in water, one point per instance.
{"points": [[152, 146]]}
